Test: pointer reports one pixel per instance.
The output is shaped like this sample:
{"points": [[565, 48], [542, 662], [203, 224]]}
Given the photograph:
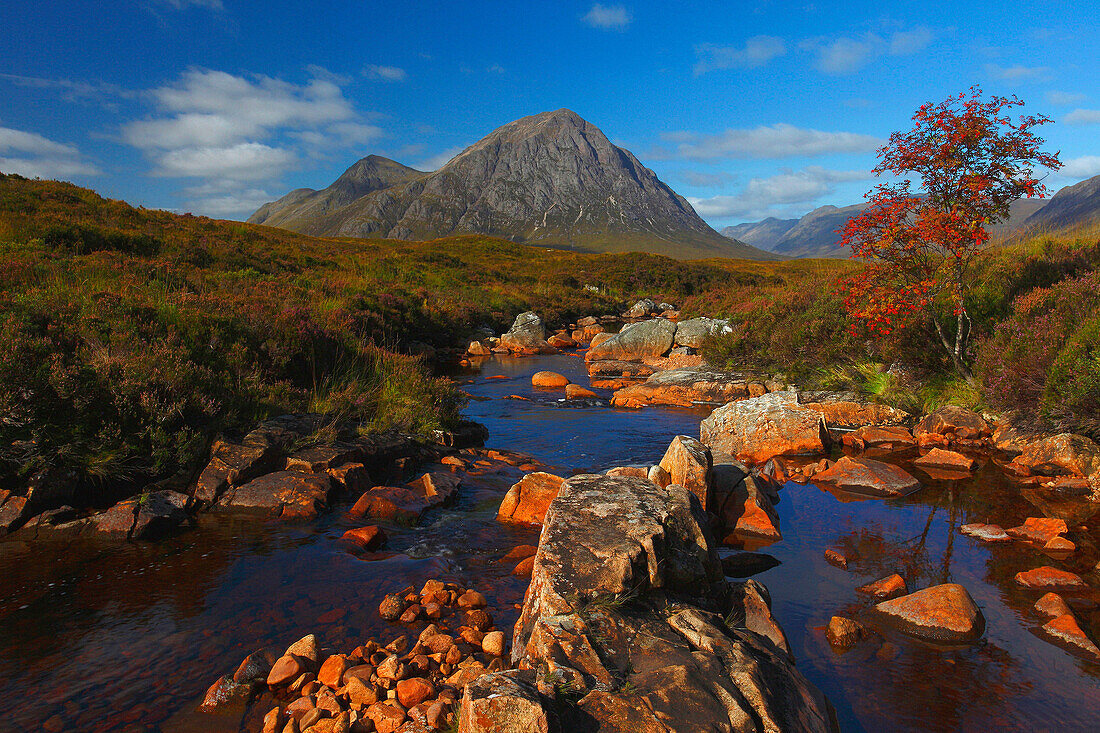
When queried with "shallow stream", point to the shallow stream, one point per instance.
{"points": [[100, 636]]}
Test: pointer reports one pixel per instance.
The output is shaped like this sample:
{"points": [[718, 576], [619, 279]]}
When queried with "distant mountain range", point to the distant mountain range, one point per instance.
{"points": [[815, 234], [552, 179]]}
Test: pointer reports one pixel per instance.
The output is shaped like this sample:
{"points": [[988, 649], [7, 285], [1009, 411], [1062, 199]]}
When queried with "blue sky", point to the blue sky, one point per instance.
{"points": [[748, 109]]}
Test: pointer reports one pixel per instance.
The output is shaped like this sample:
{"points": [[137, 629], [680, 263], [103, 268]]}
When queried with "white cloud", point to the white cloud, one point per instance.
{"points": [[1018, 73], [1084, 167], [763, 197], [1083, 117], [225, 199], [615, 17], [904, 43], [240, 162], [756, 52], [774, 141], [438, 160], [219, 128], [1056, 97], [71, 90], [847, 55], [385, 73], [35, 156]]}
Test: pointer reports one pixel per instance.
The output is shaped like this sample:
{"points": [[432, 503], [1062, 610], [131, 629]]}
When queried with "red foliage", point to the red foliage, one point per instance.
{"points": [[973, 161]]}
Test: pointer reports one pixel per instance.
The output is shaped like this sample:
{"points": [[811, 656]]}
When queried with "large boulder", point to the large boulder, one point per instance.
{"points": [[693, 331], [943, 613], [529, 498], [628, 610], [685, 387], [1060, 455], [747, 511], [952, 424], [527, 335], [849, 415], [758, 429], [284, 494], [641, 309], [866, 476], [688, 463], [636, 342]]}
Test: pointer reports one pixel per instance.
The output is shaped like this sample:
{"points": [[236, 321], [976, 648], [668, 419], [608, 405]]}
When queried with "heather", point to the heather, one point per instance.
{"points": [[130, 338]]}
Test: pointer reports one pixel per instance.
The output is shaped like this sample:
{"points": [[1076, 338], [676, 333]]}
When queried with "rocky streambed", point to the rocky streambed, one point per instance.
{"points": [[109, 635]]}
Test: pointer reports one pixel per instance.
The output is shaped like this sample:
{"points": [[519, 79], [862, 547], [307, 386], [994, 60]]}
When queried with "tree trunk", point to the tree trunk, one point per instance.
{"points": [[955, 352]]}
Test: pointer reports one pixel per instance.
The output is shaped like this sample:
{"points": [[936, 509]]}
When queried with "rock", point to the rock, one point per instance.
{"points": [[527, 501], [519, 552], [331, 673], [622, 369], [635, 342], [1038, 529], [748, 510], [286, 494], [884, 438], [943, 613], [840, 557], [1059, 545], [562, 341], [527, 331], [688, 463], [870, 477], [1048, 578], [985, 532], [351, 479], [493, 643], [524, 567], [436, 487], [1063, 454], [693, 331], [746, 564], [659, 476], [369, 538], [587, 321], [118, 520], [1065, 631], [306, 648], [476, 348], [886, 588], [1051, 605], [1009, 439], [599, 338], [256, 666], [548, 380], [507, 702], [14, 512], [684, 387], [948, 459], [158, 513], [226, 694], [285, 670], [951, 424], [848, 415], [843, 632], [577, 392], [611, 542], [322, 457], [641, 309], [392, 503], [757, 429], [235, 464], [414, 691]]}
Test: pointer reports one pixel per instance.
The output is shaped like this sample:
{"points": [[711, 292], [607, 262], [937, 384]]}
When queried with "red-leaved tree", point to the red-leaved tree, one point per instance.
{"points": [[973, 161]]}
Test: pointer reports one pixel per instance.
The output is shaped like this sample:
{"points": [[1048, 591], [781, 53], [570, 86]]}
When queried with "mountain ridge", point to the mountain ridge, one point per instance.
{"points": [[550, 179]]}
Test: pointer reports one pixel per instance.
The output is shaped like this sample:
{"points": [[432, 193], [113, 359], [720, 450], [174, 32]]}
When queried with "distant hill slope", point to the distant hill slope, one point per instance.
{"points": [[763, 234], [550, 179], [816, 233], [1071, 207]]}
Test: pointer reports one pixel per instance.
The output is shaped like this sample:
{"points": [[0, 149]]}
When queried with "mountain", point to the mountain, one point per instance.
{"points": [[551, 179], [1071, 207], [763, 234], [815, 234]]}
